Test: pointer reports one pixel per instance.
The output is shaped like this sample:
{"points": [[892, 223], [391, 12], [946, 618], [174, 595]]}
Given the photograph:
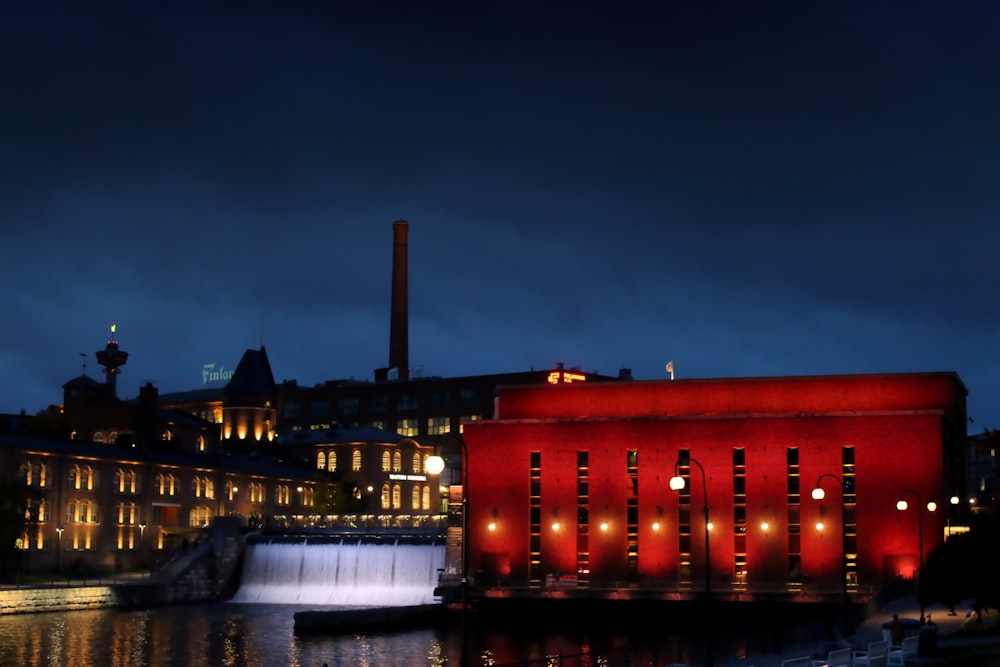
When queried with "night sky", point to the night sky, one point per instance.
{"points": [[745, 188]]}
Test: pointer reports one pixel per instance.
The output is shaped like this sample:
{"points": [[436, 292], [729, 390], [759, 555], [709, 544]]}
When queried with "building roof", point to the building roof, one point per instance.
{"points": [[252, 376], [337, 435]]}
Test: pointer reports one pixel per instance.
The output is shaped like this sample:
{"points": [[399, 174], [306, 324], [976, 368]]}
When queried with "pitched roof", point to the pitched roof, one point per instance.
{"points": [[252, 376]]}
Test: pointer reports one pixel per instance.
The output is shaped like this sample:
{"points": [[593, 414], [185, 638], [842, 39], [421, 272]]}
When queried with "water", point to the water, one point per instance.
{"points": [[262, 635], [279, 579], [340, 573]]}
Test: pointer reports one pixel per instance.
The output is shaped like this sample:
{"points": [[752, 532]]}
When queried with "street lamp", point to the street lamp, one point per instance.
{"points": [[677, 483], [59, 531], [434, 466], [901, 506], [819, 494]]}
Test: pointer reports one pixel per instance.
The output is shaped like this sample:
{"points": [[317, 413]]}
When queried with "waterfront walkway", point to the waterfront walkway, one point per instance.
{"points": [[960, 639]]}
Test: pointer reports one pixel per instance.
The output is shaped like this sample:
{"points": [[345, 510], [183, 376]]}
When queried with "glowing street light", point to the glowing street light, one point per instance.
{"points": [[901, 506], [819, 494], [677, 483]]}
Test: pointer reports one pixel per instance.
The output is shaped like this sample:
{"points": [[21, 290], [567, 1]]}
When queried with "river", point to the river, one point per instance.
{"points": [[262, 635]]}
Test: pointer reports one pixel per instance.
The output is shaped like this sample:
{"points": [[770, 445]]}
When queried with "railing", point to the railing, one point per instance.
{"points": [[74, 580]]}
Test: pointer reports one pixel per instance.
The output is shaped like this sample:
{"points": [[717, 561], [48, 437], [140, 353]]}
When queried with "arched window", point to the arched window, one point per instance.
{"points": [[26, 473], [119, 481], [427, 498], [331, 462], [98, 436], [113, 437], [43, 473], [385, 496], [386, 464], [397, 497], [417, 463], [201, 443], [71, 512], [74, 477], [415, 497], [209, 488], [356, 460], [88, 477], [397, 462], [171, 488], [321, 461]]}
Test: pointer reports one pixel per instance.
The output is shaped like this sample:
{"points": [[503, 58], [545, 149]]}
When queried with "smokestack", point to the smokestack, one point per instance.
{"points": [[399, 347]]}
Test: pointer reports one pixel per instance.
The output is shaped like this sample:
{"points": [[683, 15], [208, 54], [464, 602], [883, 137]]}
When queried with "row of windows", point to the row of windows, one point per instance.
{"points": [[85, 478], [392, 497], [391, 461], [351, 405], [846, 480], [405, 427]]}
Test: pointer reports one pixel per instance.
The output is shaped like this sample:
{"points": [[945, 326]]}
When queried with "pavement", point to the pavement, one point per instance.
{"points": [[961, 638]]}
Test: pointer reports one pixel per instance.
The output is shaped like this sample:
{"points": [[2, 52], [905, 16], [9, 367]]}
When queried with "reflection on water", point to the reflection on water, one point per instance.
{"points": [[262, 635]]}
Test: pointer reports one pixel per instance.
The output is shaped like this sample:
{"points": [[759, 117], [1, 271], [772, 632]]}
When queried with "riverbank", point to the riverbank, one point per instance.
{"points": [[959, 639]]}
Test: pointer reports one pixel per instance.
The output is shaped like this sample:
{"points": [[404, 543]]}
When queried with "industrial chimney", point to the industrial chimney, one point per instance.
{"points": [[399, 347]]}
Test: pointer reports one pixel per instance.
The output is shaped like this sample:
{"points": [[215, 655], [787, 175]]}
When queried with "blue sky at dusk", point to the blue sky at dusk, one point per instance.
{"points": [[747, 189]]}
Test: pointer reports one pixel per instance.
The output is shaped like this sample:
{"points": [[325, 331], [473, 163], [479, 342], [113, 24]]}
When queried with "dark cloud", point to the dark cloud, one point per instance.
{"points": [[745, 188]]}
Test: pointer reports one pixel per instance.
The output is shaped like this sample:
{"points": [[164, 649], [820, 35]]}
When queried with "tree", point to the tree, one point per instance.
{"points": [[18, 510], [338, 498], [964, 567]]}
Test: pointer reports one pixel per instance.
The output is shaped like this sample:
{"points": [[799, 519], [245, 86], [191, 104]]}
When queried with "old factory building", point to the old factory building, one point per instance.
{"points": [[569, 487]]}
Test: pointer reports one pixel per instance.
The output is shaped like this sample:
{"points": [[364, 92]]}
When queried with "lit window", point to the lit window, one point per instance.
{"points": [[385, 496], [356, 460], [386, 461], [321, 461], [397, 462], [397, 497], [331, 462], [408, 427]]}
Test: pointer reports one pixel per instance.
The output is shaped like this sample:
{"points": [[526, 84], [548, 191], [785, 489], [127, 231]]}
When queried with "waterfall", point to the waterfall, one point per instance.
{"points": [[340, 573]]}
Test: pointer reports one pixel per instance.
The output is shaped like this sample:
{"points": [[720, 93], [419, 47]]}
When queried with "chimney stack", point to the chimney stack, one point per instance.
{"points": [[399, 352]]}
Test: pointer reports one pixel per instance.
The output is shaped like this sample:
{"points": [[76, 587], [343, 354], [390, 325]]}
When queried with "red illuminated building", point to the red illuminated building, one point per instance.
{"points": [[569, 486]]}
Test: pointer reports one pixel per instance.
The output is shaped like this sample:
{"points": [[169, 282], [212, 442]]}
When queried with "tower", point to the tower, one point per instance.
{"points": [[112, 359], [398, 327]]}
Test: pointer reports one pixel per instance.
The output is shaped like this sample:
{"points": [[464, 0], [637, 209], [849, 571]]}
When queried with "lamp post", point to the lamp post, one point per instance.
{"points": [[435, 465], [677, 483], [819, 494], [59, 532], [901, 506]]}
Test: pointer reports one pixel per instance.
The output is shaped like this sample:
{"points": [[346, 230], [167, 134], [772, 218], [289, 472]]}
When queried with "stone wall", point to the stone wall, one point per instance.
{"points": [[31, 600]]}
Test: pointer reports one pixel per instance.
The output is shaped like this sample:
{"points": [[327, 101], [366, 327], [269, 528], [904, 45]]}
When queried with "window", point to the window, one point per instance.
{"points": [[407, 402], [467, 418], [438, 426], [426, 501], [331, 462], [408, 427], [199, 516], [397, 462], [417, 466], [291, 410], [397, 497], [319, 408], [99, 437], [378, 404], [321, 461], [385, 496], [113, 438], [415, 497], [201, 443], [348, 406], [356, 460], [386, 461]]}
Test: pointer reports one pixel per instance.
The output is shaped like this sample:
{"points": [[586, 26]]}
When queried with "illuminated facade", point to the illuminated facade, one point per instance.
{"points": [[569, 487]]}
